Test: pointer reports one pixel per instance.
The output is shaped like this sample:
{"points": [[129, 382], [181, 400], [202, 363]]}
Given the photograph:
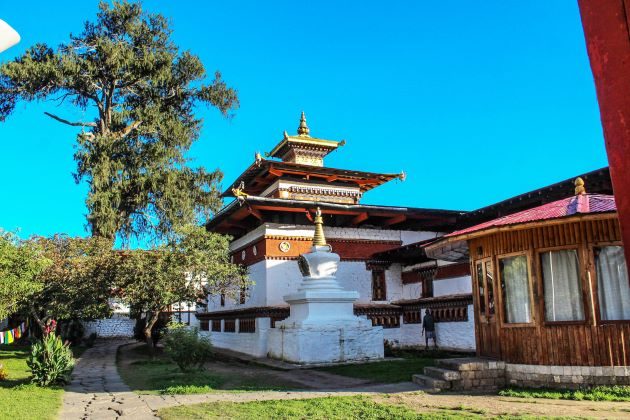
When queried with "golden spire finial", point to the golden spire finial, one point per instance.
{"points": [[303, 129], [318, 238], [579, 186]]}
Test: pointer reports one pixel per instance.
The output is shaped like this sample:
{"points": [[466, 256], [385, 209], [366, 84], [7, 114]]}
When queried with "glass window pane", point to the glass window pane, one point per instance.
{"points": [[482, 295], [490, 287], [612, 286], [515, 288], [561, 279]]}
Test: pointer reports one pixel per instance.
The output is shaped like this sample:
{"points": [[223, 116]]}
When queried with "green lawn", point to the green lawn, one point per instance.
{"points": [[358, 407], [391, 371], [158, 375], [599, 393], [20, 399]]}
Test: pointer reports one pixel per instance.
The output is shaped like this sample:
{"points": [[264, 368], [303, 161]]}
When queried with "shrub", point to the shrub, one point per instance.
{"points": [[3, 373], [51, 361], [71, 330], [89, 341], [185, 347]]}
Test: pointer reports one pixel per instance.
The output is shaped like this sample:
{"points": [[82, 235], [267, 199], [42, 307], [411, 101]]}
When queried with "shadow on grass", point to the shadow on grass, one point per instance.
{"points": [[404, 364], [158, 375]]}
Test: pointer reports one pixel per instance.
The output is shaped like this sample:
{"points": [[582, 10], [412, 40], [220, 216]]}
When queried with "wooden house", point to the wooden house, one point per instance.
{"points": [[550, 284]]}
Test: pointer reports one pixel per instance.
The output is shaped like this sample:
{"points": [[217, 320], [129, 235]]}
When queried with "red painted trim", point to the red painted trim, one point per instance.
{"points": [[607, 32]]}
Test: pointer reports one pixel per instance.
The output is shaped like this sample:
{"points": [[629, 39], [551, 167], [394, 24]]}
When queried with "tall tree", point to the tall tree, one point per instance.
{"points": [[125, 70]]}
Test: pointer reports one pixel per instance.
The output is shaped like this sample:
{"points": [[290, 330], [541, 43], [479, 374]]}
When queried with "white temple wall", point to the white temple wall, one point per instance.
{"points": [[457, 335], [412, 291], [254, 344], [278, 229], [452, 286], [393, 285], [450, 335]]}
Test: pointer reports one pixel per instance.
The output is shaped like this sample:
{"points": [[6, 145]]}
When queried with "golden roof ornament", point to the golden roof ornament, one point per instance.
{"points": [[318, 238], [303, 129], [239, 193], [579, 186]]}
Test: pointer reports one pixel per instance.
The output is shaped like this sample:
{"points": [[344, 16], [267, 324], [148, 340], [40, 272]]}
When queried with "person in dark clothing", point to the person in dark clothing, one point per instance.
{"points": [[428, 329]]}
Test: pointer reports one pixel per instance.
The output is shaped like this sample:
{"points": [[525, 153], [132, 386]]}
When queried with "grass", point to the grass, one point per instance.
{"points": [[391, 371], [358, 407], [599, 393], [19, 399], [158, 375]]}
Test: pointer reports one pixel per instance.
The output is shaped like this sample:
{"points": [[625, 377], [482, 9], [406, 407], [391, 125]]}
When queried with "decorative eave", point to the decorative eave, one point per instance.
{"points": [[287, 142], [249, 212], [264, 172]]}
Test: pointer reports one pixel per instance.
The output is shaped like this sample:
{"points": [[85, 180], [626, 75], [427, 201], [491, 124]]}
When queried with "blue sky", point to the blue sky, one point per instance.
{"points": [[475, 101]]}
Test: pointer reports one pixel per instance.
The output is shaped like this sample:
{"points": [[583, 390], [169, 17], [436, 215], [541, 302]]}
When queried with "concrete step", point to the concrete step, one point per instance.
{"points": [[443, 374], [429, 382]]}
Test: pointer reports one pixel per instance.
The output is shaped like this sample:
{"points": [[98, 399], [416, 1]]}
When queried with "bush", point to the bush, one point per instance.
{"points": [[89, 341], [3, 373], [51, 361], [71, 330], [185, 347]]}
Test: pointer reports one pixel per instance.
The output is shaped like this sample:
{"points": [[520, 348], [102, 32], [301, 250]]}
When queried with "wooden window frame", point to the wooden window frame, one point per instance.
{"points": [[384, 285], [530, 285], [579, 248], [592, 270], [485, 316]]}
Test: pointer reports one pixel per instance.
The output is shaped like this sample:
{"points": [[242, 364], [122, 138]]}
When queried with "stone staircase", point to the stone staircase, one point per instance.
{"points": [[470, 373]]}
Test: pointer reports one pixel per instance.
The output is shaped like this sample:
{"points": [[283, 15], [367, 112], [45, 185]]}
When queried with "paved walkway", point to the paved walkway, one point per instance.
{"points": [[98, 392]]}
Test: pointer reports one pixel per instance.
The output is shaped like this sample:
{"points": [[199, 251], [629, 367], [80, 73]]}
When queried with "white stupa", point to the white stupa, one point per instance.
{"points": [[322, 327]]}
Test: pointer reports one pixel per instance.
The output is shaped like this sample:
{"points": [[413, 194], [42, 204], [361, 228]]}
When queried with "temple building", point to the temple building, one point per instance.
{"points": [[271, 221]]}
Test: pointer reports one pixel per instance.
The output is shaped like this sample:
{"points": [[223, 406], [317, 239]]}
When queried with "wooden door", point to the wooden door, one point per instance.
{"points": [[486, 319]]}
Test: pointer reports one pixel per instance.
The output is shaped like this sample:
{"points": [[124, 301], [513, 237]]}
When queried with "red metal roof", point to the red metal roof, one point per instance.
{"points": [[578, 204]]}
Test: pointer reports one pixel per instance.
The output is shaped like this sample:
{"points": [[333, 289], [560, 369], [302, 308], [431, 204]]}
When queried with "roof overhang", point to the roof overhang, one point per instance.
{"points": [[247, 213], [455, 247], [264, 172]]}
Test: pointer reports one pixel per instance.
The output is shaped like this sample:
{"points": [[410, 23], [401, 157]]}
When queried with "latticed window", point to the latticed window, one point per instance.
{"points": [[379, 291]]}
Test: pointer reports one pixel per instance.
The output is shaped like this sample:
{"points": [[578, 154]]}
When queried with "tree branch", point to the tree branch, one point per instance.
{"points": [[125, 132], [74, 124]]}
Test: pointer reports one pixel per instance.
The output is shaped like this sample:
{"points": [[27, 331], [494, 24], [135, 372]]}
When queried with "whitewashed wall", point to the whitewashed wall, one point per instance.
{"points": [[254, 344], [118, 325], [452, 286], [450, 335], [457, 335]]}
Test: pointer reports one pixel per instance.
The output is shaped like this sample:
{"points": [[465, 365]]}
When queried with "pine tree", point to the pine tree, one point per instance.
{"points": [[125, 70]]}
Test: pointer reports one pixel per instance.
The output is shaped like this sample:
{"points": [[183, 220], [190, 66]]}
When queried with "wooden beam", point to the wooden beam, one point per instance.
{"points": [[254, 212], [395, 220], [360, 218]]}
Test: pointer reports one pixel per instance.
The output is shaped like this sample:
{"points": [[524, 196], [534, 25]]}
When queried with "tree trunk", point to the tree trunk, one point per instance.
{"points": [[37, 319], [148, 327]]}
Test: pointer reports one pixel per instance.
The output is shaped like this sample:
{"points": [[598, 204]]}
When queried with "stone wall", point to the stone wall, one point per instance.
{"points": [[116, 326], [480, 374], [535, 376]]}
